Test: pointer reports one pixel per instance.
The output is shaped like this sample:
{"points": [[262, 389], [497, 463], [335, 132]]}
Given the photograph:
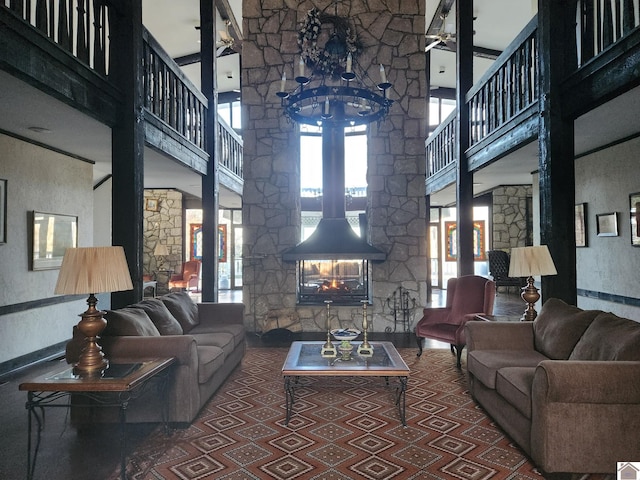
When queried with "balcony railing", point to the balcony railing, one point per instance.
{"points": [[601, 24], [79, 26], [510, 86], [230, 148], [170, 95]]}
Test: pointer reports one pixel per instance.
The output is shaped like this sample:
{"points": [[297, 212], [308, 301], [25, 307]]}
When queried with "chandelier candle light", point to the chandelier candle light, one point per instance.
{"points": [[333, 94]]}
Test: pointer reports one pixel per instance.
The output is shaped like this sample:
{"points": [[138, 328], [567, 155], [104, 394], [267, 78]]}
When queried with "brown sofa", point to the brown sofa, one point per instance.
{"points": [[206, 339], [565, 387]]}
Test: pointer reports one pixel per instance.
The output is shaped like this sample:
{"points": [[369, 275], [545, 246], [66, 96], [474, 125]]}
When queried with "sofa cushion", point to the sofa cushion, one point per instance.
{"points": [[484, 364], [609, 337], [223, 340], [183, 309], [558, 328], [514, 385], [160, 316], [129, 321], [238, 331], [210, 360]]}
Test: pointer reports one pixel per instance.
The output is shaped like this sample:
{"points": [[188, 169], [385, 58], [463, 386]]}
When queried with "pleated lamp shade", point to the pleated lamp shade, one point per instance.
{"points": [[531, 261], [93, 270]]}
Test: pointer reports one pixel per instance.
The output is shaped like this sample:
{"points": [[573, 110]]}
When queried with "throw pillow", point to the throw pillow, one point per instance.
{"points": [[183, 309], [609, 337], [129, 321], [160, 316], [558, 328]]}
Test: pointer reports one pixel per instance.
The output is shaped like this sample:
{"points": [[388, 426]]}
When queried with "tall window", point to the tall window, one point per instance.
{"points": [[355, 146]]}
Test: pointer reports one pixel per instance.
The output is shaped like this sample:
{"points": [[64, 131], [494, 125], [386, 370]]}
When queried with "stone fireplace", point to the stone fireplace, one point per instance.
{"points": [[344, 282], [396, 216]]}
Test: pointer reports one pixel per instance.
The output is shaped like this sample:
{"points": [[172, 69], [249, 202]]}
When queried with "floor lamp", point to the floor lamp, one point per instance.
{"points": [[92, 270], [527, 262]]}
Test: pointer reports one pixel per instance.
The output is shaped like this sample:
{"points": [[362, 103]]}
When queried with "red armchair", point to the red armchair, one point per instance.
{"points": [[466, 296], [188, 279]]}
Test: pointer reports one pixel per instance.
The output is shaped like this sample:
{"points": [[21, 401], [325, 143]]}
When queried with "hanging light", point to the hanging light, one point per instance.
{"points": [[333, 89]]}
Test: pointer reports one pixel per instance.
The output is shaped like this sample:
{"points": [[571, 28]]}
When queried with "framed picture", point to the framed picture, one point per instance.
{"points": [[3, 211], [607, 224], [152, 204], [634, 207], [52, 234], [581, 225], [479, 254]]}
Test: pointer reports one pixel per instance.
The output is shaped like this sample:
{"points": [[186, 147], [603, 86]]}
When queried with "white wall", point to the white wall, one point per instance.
{"points": [[41, 180], [610, 265]]}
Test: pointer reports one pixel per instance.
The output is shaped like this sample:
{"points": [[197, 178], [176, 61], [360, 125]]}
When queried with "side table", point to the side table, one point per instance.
{"points": [[120, 384]]}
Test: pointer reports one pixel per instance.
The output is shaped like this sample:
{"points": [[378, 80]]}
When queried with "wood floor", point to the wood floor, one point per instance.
{"points": [[67, 454]]}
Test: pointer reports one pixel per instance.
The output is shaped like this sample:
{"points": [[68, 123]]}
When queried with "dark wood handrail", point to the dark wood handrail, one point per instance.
{"points": [[441, 145], [231, 148]]}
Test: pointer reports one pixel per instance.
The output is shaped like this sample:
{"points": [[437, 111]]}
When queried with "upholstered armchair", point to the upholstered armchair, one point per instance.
{"points": [[467, 296], [188, 279]]}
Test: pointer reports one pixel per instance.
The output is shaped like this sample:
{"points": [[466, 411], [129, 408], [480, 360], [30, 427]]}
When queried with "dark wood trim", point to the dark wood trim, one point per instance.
{"points": [[40, 303], [45, 146], [608, 145], [609, 297], [14, 365]]}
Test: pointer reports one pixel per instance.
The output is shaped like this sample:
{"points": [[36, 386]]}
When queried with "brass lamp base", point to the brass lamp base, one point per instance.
{"points": [[91, 362], [530, 295]]}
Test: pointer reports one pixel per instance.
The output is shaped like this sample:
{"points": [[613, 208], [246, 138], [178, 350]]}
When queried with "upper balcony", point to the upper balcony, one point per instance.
{"points": [[62, 49], [503, 104]]}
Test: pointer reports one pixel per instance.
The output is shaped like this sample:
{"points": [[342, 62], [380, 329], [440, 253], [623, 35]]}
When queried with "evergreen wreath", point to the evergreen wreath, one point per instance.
{"points": [[319, 60]]}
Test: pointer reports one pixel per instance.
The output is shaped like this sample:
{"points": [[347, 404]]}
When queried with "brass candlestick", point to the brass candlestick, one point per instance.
{"points": [[365, 349], [328, 349]]}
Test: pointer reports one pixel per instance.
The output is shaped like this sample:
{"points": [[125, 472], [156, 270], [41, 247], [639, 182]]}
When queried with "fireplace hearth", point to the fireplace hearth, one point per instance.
{"points": [[344, 282]]}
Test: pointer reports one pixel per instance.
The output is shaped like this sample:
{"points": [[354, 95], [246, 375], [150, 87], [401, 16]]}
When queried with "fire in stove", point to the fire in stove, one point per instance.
{"points": [[344, 282]]}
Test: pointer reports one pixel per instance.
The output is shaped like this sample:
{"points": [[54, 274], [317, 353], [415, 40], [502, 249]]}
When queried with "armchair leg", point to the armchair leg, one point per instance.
{"points": [[419, 340], [458, 355]]}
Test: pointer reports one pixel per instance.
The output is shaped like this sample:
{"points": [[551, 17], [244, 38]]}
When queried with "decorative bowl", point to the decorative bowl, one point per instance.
{"points": [[345, 334]]}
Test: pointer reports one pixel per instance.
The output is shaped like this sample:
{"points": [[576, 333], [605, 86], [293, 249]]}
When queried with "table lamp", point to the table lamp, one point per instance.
{"points": [[527, 262], [93, 270], [160, 251]]}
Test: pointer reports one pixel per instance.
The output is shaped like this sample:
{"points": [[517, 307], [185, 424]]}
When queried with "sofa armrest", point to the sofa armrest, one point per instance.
{"points": [[585, 415], [221, 313], [574, 381], [181, 347], [482, 335]]}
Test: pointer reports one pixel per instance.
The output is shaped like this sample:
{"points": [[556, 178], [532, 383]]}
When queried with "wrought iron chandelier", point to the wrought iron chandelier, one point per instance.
{"points": [[332, 89]]}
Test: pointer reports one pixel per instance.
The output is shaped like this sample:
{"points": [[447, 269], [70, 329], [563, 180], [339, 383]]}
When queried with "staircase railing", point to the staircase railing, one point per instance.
{"points": [[441, 145], [79, 26]]}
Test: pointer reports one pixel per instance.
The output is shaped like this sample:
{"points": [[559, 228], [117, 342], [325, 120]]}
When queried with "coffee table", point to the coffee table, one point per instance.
{"points": [[120, 384], [304, 360]]}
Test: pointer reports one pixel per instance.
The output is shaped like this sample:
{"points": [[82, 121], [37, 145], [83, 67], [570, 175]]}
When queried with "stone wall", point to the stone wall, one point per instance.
{"points": [[510, 216], [162, 223], [392, 34]]}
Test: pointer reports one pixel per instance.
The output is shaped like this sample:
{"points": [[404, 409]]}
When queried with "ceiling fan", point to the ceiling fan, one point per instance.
{"points": [[225, 44], [445, 35]]}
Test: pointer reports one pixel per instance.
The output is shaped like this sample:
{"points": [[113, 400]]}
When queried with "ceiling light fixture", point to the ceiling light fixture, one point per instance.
{"points": [[337, 91]]}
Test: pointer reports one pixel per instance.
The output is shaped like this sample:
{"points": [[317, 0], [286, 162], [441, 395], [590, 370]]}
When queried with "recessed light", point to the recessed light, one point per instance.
{"points": [[39, 129]]}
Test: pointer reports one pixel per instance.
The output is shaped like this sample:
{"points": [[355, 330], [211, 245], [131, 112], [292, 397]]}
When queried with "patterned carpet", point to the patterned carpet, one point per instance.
{"points": [[341, 428]]}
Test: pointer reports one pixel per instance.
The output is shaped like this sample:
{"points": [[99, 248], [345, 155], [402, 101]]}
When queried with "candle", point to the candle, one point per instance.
{"points": [[301, 67], [349, 62], [383, 75], [326, 106], [283, 81]]}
